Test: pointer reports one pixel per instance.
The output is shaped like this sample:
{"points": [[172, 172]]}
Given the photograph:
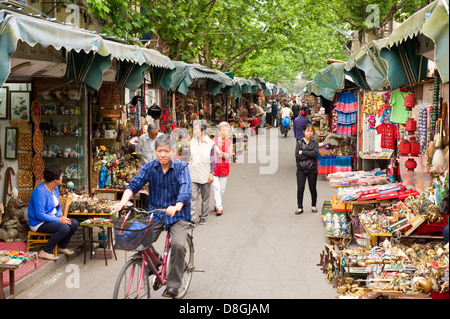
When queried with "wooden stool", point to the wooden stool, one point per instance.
{"points": [[36, 239]]}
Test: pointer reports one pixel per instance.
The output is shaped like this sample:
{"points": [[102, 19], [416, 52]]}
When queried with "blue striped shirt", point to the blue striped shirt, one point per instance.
{"points": [[165, 189]]}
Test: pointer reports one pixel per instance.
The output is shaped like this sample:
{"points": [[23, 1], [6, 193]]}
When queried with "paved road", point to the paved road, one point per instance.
{"points": [[258, 249]]}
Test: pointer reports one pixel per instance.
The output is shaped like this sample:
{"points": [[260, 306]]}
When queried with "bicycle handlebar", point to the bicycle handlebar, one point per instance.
{"points": [[143, 211]]}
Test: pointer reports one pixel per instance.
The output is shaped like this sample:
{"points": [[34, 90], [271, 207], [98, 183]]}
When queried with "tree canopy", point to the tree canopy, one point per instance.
{"points": [[272, 39]]}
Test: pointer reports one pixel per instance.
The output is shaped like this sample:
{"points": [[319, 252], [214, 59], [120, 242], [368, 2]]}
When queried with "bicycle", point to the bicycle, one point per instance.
{"points": [[136, 235]]}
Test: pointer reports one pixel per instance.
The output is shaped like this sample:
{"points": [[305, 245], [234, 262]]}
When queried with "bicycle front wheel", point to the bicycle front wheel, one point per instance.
{"points": [[132, 282], [188, 268]]}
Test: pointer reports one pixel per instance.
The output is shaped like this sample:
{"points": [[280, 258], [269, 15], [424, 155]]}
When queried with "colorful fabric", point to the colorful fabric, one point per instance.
{"points": [[347, 103]]}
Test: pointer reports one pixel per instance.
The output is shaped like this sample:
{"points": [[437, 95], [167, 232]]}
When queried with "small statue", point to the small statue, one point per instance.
{"points": [[14, 217]]}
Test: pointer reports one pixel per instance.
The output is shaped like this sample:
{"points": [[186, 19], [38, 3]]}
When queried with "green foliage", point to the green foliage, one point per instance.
{"points": [[271, 39]]}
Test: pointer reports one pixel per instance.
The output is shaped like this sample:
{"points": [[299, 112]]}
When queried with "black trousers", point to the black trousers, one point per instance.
{"points": [[312, 182]]}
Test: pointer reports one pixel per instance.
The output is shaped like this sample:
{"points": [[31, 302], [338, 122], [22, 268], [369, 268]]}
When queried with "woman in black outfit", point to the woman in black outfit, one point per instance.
{"points": [[306, 153]]}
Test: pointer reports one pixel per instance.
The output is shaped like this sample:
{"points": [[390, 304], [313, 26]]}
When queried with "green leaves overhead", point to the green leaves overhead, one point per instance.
{"points": [[271, 39]]}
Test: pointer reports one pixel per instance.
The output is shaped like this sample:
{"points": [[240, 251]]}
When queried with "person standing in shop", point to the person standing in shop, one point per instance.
{"points": [[306, 153], [261, 115], [202, 166], [224, 151]]}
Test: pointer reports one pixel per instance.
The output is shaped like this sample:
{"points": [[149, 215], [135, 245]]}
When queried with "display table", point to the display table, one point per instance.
{"points": [[106, 242], [11, 268], [114, 194]]}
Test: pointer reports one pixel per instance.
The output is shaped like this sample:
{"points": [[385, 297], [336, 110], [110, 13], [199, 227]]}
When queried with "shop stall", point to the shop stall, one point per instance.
{"points": [[387, 221]]}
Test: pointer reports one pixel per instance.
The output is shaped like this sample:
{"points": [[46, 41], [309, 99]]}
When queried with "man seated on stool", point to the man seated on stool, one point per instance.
{"points": [[45, 214]]}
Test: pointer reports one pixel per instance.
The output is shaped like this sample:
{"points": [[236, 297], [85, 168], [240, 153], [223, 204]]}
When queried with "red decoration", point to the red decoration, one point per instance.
{"points": [[415, 146], [410, 164], [410, 101], [411, 125], [405, 147]]}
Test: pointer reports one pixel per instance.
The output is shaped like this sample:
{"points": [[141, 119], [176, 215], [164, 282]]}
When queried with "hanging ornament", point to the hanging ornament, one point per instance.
{"points": [[410, 101], [411, 126], [137, 119], [404, 147], [414, 146], [410, 164]]}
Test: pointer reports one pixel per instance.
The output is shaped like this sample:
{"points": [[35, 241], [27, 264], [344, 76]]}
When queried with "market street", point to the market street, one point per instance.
{"points": [[258, 249]]}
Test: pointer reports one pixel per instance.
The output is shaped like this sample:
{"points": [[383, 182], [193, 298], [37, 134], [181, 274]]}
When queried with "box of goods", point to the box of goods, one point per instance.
{"points": [[385, 196], [337, 204]]}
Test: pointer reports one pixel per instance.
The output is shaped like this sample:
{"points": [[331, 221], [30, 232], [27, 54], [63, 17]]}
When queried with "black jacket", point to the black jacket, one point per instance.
{"points": [[307, 161]]}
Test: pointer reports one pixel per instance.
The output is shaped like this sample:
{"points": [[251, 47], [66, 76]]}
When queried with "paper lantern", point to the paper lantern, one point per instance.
{"points": [[410, 164], [414, 146], [405, 147], [410, 101], [411, 125]]}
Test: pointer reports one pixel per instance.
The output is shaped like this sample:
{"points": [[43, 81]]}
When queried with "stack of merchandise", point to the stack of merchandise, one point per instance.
{"points": [[376, 192], [376, 176]]}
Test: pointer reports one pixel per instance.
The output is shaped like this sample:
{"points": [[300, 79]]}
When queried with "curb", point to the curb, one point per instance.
{"points": [[38, 275]]}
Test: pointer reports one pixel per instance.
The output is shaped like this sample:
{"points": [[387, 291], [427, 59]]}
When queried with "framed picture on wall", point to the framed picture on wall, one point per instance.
{"points": [[11, 142], [4, 103], [20, 105]]}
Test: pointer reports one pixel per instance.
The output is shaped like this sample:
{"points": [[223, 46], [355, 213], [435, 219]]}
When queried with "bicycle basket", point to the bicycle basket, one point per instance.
{"points": [[132, 234]]}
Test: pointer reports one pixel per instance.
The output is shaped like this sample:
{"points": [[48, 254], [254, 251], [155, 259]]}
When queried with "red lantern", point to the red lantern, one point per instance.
{"points": [[410, 101], [411, 125], [405, 147], [415, 146], [410, 164]]}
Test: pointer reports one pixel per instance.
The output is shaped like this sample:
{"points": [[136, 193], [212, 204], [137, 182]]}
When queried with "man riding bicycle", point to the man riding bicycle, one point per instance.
{"points": [[169, 186]]}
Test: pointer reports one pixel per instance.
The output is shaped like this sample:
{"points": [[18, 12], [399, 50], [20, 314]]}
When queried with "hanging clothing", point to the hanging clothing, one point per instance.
{"points": [[388, 133], [399, 112], [347, 108]]}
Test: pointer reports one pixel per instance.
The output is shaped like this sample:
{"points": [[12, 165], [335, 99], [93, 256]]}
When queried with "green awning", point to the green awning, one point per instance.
{"points": [[328, 81], [186, 73], [404, 66], [86, 49], [366, 68], [433, 22]]}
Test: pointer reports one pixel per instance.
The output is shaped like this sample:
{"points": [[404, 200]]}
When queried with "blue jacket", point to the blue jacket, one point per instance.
{"points": [[299, 123], [41, 205]]}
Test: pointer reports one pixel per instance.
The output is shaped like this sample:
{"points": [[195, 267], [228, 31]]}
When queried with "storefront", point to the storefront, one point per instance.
{"points": [[386, 221], [62, 98]]}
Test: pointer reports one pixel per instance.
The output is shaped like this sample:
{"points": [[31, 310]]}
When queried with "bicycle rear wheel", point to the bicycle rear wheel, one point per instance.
{"points": [[132, 282], [188, 268]]}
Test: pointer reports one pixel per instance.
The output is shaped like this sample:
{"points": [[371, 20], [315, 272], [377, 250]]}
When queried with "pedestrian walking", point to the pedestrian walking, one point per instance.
{"points": [[275, 114], [169, 188], [224, 151], [295, 109], [202, 166], [269, 112], [300, 122], [306, 153]]}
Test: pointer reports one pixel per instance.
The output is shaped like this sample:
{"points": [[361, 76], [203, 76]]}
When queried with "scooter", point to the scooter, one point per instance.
{"points": [[285, 126]]}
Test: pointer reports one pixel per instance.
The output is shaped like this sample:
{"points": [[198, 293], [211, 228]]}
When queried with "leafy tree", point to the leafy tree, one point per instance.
{"points": [[272, 39]]}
